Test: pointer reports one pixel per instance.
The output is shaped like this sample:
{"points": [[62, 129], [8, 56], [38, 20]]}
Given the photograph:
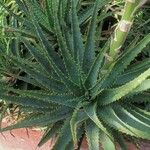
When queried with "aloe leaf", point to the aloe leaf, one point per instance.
{"points": [[28, 33], [39, 14], [85, 14], [25, 101], [96, 66], [108, 115], [14, 43], [140, 98], [73, 125], [49, 13], [140, 128], [92, 134], [64, 8], [54, 59], [74, 122], [52, 107], [39, 120], [112, 95], [107, 144], [49, 133], [138, 65], [142, 112], [133, 71], [77, 36], [120, 140], [139, 116], [77, 125], [89, 53], [144, 86], [67, 33], [65, 23], [91, 112], [40, 58], [64, 136]]}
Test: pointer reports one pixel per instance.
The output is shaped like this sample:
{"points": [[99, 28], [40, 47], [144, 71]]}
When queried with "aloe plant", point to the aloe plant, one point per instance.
{"points": [[76, 93]]}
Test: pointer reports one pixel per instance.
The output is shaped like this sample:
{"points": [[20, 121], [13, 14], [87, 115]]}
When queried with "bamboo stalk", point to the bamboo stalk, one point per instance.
{"points": [[124, 26]]}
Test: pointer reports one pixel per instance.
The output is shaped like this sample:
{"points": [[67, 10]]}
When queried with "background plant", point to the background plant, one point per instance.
{"points": [[75, 87]]}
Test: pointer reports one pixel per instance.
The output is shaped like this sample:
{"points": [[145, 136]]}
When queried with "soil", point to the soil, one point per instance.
{"points": [[27, 139]]}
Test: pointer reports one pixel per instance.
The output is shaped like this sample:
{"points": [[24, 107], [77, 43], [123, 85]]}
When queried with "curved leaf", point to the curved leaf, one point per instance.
{"points": [[112, 95]]}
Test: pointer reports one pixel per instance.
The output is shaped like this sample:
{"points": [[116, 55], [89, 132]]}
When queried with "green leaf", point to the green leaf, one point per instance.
{"points": [[69, 39], [139, 127], [107, 144], [74, 122], [49, 13], [49, 133], [145, 63], [92, 134], [29, 109], [40, 58], [120, 140], [39, 120], [25, 101], [140, 98], [89, 53], [85, 14], [112, 95], [133, 71], [64, 136], [10, 11], [77, 36], [144, 86], [14, 43], [143, 118], [91, 112], [140, 111], [95, 68], [108, 115], [39, 14], [18, 17], [52, 56]]}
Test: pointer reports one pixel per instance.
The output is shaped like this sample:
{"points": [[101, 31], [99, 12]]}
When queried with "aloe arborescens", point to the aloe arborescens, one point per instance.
{"points": [[72, 96]]}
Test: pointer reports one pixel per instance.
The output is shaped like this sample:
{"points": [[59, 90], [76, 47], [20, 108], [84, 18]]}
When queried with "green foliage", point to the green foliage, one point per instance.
{"points": [[70, 88]]}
